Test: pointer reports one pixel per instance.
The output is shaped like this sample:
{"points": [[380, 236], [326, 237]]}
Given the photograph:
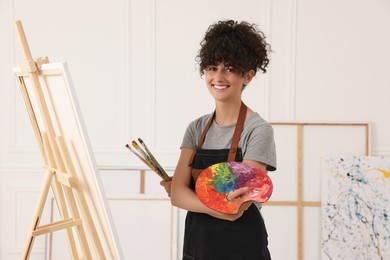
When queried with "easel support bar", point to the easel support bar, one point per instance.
{"points": [[55, 226], [65, 179], [62, 177]]}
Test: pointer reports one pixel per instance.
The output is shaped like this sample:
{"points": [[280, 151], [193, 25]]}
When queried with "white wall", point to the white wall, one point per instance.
{"points": [[134, 72]]}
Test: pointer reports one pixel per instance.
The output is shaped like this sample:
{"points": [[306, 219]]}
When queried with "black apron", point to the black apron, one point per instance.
{"points": [[209, 238]]}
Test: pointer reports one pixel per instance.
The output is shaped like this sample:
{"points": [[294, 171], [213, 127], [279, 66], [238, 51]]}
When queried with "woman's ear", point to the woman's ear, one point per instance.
{"points": [[249, 76]]}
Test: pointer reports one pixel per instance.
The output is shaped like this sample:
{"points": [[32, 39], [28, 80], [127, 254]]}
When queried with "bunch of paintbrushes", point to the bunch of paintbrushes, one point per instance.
{"points": [[144, 154]]}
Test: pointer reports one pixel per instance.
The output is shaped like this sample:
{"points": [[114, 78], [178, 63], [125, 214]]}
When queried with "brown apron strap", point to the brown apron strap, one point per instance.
{"points": [[203, 136], [236, 135]]}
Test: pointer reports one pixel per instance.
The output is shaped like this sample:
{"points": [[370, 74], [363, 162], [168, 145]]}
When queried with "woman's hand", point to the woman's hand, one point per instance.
{"points": [[233, 217], [167, 186], [231, 196]]}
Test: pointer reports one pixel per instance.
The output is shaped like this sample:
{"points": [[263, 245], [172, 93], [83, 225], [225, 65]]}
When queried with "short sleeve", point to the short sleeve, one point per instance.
{"points": [[189, 137], [193, 132], [260, 146]]}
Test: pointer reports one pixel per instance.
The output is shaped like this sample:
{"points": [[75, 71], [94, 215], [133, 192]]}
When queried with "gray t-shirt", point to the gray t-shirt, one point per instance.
{"points": [[256, 141]]}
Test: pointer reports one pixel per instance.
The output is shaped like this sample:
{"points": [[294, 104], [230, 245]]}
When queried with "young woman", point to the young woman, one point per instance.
{"points": [[231, 53]]}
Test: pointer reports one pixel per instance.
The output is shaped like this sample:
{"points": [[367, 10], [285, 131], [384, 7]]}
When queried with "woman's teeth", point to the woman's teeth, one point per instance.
{"points": [[220, 87]]}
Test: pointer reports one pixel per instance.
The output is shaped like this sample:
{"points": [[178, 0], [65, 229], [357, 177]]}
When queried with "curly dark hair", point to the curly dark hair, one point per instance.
{"points": [[240, 45]]}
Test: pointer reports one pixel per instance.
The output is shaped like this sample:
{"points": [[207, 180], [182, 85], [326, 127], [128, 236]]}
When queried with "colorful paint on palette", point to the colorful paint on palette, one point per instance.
{"points": [[220, 179]]}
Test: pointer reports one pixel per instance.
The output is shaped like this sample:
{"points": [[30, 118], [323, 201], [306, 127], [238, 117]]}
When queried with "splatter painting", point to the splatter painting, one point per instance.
{"points": [[355, 208], [219, 179]]}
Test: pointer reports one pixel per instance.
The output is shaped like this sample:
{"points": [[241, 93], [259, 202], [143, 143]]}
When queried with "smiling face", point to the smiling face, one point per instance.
{"points": [[224, 83]]}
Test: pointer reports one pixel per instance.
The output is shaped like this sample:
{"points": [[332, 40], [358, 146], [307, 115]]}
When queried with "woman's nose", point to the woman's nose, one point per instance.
{"points": [[219, 75]]}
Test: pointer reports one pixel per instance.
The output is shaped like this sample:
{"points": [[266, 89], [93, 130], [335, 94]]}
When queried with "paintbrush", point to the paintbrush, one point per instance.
{"points": [[154, 161], [147, 160], [151, 166]]}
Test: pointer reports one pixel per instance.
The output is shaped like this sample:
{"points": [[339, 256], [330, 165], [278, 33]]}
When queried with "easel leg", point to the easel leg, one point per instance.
{"points": [[37, 215], [80, 229], [58, 193]]}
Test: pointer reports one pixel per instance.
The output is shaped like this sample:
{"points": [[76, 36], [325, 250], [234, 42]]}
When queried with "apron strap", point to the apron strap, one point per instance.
{"points": [[203, 136], [236, 135]]}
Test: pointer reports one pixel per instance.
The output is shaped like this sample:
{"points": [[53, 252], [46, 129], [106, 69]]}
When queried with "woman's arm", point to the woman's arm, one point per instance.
{"points": [[184, 197], [256, 164]]}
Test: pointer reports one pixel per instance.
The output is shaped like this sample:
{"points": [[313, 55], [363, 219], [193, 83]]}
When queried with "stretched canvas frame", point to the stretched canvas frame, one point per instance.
{"points": [[292, 161]]}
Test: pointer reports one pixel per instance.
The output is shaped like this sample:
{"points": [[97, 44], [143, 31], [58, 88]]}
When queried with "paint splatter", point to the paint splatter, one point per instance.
{"points": [[355, 208], [385, 173]]}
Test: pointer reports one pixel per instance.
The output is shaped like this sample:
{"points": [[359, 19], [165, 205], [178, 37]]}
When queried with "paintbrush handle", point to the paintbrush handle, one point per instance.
{"points": [[146, 157], [148, 163], [154, 160]]}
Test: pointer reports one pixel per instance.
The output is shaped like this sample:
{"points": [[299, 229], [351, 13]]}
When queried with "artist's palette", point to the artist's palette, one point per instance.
{"points": [[219, 179]]}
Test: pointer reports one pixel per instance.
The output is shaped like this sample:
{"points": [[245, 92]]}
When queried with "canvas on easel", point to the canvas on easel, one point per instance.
{"points": [[70, 167]]}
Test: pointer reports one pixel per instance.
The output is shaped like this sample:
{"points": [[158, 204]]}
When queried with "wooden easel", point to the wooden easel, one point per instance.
{"points": [[60, 173]]}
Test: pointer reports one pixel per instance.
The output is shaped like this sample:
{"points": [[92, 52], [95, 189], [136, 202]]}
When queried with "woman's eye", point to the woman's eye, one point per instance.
{"points": [[211, 68]]}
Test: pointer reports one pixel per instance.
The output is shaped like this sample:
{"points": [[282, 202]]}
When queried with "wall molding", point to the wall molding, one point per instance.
{"points": [[127, 68], [14, 190], [21, 170], [266, 81], [16, 148], [153, 65], [380, 151], [293, 10]]}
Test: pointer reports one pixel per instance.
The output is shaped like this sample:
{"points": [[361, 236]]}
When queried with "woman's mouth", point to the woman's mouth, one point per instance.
{"points": [[220, 87]]}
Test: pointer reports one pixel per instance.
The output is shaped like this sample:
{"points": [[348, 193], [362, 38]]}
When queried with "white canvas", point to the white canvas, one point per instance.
{"points": [[355, 208]]}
